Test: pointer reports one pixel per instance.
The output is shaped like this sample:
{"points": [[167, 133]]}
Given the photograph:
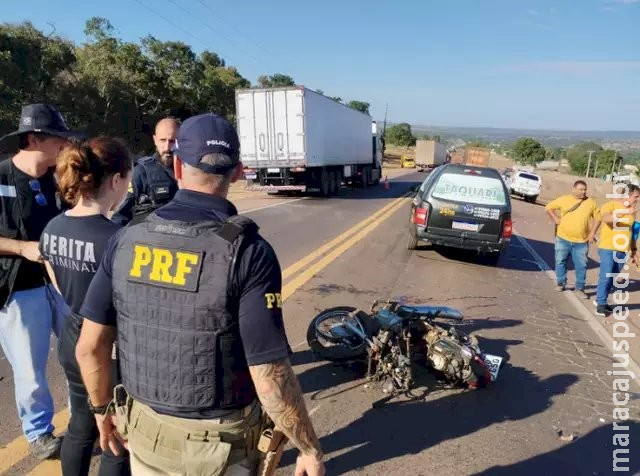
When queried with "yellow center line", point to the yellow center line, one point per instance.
{"points": [[18, 449], [297, 266], [293, 285]]}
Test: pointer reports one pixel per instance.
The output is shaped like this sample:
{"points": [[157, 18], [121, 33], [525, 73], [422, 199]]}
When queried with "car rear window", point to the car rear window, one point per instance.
{"points": [[470, 188], [529, 176]]}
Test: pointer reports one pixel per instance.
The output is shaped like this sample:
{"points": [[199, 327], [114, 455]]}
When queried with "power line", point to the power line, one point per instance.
{"points": [[217, 32], [205, 44], [230, 25], [170, 22]]}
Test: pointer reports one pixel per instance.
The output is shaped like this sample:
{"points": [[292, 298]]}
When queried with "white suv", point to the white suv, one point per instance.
{"points": [[526, 185]]}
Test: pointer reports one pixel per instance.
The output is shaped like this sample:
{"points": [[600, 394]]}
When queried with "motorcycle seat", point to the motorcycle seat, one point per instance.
{"points": [[443, 312]]}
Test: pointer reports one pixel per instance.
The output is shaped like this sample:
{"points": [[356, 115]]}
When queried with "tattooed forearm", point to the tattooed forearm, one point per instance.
{"points": [[280, 394]]}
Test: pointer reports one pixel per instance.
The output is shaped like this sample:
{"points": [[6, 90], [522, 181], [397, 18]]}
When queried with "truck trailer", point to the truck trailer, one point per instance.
{"points": [[295, 139], [477, 156], [430, 154]]}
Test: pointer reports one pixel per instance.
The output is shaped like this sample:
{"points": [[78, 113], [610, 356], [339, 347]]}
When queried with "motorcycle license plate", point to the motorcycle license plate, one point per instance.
{"points": [[493, 363]]}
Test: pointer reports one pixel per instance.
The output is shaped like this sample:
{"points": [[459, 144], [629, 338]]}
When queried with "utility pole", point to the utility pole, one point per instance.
{"points": [[615, 157], [384, 126], [589, 164]]}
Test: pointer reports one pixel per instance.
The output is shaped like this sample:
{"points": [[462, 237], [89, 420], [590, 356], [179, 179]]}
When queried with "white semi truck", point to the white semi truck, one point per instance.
{"points": [[294, 139]]}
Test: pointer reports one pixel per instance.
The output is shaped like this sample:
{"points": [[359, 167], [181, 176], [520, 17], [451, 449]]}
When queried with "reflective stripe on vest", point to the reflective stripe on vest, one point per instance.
{"points": [[178, 333]]}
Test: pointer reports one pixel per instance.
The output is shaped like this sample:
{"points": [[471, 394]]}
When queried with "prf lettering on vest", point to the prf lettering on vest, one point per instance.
{"points": [[273, 299], [165, 267]]}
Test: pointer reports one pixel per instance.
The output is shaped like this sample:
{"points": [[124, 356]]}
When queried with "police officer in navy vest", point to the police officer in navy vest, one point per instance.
{"points": [[193, 295], [153, 183]]}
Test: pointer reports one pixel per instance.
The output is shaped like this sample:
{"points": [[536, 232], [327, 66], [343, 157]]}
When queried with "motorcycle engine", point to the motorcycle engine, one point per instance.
{"points": [[455, 361], [393, 368]]}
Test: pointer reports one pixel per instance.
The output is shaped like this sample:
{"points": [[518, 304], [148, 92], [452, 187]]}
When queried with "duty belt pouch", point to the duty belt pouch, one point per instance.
{"points": [[204, 455], [122, 404]]}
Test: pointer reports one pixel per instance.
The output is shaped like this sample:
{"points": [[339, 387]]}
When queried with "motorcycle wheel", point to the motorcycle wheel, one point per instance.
{"points": [[331, 348]]}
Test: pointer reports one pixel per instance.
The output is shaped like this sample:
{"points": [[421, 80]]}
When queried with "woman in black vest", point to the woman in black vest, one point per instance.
{"points": [[93, 177]]}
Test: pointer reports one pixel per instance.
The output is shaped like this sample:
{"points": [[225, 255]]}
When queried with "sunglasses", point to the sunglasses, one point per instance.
{"points": [[35, 187]]}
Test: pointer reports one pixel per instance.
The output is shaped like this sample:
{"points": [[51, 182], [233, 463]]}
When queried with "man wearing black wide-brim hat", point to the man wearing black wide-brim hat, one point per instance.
{"points": [[30, 307]]}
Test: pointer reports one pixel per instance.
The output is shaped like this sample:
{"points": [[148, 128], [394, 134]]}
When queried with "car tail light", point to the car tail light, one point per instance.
{"points": [[507, 228], [420, 216]]}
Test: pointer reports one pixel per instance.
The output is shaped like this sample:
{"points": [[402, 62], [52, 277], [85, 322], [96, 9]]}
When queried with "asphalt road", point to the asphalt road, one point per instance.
{"points": [[549, 412]]}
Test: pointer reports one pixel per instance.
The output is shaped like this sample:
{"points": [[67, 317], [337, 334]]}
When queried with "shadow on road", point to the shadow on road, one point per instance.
{"points": [[588, 454], [517, 257], [399, 429], [396, 188]]}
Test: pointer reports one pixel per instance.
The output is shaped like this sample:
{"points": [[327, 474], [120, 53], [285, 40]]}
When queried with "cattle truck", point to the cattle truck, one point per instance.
{"points": [[295, 139]]}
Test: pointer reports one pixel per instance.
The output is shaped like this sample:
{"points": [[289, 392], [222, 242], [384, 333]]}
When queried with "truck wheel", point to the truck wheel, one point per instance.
{"points": [[333, 186], [376, 181], [324, 184], [338, 183], [365, 177]]}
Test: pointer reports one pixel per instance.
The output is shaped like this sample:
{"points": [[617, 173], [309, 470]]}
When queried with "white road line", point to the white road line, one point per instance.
{"points": [[584, 311], [251, 210]]}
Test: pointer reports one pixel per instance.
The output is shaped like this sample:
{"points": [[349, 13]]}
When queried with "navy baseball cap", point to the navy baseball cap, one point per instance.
{"points": [[208, 134], [44, 119]]}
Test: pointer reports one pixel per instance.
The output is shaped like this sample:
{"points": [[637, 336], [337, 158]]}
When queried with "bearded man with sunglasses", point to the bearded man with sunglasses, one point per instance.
{"points": [[30, 307]]}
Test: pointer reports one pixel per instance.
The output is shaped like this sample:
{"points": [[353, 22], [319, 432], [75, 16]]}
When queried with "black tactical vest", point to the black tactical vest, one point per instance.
{"points": [[177, 303], [161, 186]]}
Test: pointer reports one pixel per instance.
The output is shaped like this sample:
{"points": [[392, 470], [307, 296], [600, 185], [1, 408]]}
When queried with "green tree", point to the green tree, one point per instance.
{"points": [[400, 134], [578, 157], [478, 143], [337, 99], [528, 151], [555, 153], [30, 66], [275, 81], [359, 106]]}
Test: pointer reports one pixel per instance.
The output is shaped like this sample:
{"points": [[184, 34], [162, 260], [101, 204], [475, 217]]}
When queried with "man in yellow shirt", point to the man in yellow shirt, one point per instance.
{"points": [[616, 241], [576, 224]]}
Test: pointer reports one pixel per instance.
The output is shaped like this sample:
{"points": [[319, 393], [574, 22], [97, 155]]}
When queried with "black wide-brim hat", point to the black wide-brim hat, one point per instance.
{"points": [[43, 119]]}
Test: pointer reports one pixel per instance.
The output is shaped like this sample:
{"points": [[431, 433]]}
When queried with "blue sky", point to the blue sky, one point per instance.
{"points": [[572, 65]]}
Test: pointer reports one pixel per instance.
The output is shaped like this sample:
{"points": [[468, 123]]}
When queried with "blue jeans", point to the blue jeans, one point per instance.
{"points": [[26, 323], [608, 266], [579, 255]]}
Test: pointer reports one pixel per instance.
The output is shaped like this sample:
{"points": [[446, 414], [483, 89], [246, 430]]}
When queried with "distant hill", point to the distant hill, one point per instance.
{"points": [[620, 140]]}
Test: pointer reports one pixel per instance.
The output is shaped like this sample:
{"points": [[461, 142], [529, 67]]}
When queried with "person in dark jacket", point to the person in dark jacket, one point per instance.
{"points": [[93, 177], [30, 306], [153, 182]]}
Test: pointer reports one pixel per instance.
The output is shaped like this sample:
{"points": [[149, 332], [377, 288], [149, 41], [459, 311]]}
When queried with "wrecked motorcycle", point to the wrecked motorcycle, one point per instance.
{"points": [[390, 336]]}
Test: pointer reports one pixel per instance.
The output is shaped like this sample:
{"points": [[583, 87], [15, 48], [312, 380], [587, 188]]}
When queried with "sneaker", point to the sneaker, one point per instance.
{"points": [[608, 307], [45, 446], [603, 310], [560, 287], [581, 294]]}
